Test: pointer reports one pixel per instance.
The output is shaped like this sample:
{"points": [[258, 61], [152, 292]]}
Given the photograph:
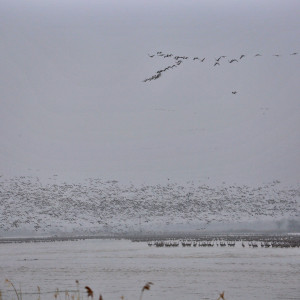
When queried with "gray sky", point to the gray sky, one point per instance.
{"points": [[73, 101]]}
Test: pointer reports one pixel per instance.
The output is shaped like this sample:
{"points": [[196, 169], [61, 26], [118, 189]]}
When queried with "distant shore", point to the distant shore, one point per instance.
{"points": [[232, 236]]}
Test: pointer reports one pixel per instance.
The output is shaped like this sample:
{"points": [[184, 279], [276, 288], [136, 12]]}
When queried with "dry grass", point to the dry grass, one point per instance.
{"points": [[90, 292], [145, 287], [10, 283], [76, 295]]}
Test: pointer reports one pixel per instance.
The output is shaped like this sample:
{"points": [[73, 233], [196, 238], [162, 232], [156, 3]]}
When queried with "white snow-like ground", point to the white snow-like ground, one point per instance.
{"points": [[31, 207]]}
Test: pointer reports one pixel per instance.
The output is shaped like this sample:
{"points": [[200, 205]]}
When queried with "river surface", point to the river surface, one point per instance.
{"points": [[117, 268]]}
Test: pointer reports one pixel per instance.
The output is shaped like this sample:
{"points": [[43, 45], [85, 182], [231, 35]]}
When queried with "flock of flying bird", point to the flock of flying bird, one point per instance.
{"points": [[180, 59], [51, 205]]}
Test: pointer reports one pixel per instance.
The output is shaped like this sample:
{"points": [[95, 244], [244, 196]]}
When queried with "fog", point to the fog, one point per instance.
{"points": [[73, 101]]}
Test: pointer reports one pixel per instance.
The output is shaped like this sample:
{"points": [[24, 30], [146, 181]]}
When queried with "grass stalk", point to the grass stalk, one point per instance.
{"points": [[9, 282]]}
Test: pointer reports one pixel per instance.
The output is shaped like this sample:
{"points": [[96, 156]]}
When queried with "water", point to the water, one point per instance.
{"points": [[118, 268]]}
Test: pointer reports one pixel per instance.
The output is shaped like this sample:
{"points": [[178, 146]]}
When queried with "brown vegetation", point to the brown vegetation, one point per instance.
{"points": [[75, 295]]}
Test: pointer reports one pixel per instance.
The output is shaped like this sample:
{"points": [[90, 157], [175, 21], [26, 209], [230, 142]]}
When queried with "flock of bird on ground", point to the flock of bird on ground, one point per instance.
{"points": [[180, 59], [264, 242]]}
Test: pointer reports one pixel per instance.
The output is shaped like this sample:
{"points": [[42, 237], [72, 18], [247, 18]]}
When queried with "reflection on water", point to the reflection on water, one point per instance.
{"points": [[118, 268]]}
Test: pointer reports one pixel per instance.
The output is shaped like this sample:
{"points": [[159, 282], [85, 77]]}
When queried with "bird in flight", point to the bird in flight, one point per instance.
{"points": [[223, 56], [180, 59], [234, 92]]}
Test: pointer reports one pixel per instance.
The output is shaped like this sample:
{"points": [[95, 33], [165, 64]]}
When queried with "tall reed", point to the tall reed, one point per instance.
{"points": [[10, 283], [145, 287]]}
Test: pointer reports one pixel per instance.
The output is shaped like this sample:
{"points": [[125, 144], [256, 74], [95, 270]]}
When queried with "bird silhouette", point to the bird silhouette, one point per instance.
{"points": [[180, 59], [234, 92], [217, 59]]}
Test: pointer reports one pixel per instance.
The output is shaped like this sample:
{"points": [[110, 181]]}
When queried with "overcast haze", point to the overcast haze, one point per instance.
{"points": [[73, 101]]}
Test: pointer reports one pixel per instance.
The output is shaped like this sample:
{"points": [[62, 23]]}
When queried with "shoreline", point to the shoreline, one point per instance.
{"points": [[149, 236]]}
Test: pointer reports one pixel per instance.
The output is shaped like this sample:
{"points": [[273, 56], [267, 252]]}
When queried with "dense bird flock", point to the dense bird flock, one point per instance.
{"points": [[263, 242], [178, 60], [98, 206]]}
